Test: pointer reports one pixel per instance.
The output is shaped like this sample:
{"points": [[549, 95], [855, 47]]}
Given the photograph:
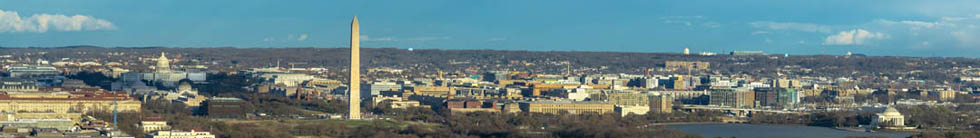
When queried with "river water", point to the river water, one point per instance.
{"points": [[775, 131]]}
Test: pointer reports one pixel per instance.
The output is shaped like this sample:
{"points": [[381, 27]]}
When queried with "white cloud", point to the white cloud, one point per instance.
{"points": [[371, 39], [690, 21], [854, 37], [11, 21], [685, 23], [712, 24], [915, 25], [303, 37], [806, 27], [388, 39], [288, 38], [759, 32], [954, 18], [428, 38]]}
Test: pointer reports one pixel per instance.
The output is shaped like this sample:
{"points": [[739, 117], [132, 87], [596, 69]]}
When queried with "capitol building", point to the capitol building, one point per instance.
{"points": [[164, 75]]}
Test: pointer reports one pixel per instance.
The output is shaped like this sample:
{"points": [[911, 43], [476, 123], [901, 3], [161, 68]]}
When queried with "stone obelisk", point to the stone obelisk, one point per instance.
{"points": [[355, 72]]}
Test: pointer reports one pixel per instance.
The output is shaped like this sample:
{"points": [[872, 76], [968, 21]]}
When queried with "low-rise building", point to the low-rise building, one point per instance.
{"points": [[181, 134], [557, 107], [224, 107], [636, 110], [151, 124], [65, 100]]}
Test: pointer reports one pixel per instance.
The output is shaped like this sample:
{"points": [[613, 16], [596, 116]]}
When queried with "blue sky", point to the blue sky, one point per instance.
{"points": [[873, 27]]}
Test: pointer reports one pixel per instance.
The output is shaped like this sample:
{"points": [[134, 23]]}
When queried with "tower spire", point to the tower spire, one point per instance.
{"points": [[354, 107]]}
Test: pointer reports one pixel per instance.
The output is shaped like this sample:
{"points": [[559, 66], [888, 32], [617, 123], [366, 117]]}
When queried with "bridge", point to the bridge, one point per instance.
{"points": [[741, 112]]}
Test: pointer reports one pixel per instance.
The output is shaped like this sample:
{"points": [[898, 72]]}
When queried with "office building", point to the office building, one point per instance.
{"points": [[557, 107], [636, 110], [661, 103], [736, 98], [181, 134], [65, 100], [32, 71]]}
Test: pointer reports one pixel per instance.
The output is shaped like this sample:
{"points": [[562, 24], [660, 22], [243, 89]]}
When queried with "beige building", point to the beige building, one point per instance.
{"points": [[74, 117], [67, 100], [636, 110], [396, 102], [556, 107], [943, 95], [624, 98], [661, 103], [434, 91], [152, 124], [181, 134], [687, 64]]}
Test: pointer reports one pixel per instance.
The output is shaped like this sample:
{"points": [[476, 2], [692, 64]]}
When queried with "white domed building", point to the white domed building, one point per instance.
{"points": [[890, 119], [170, 77]]}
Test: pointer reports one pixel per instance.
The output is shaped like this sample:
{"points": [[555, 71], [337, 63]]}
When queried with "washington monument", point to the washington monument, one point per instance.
{"points": [[354, 112]]}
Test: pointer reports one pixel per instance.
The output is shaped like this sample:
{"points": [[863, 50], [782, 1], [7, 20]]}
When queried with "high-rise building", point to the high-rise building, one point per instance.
{"points": [[737, 98], [787, 97], [661, 103], [765, 96], [354, 108]]}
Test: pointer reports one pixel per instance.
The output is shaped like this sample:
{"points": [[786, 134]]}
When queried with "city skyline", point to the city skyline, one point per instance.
{"points": [[502, 68], [889, 28]]}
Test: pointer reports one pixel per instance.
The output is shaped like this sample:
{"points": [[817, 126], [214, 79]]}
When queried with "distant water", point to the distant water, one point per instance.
{"points": [[774, 131]]}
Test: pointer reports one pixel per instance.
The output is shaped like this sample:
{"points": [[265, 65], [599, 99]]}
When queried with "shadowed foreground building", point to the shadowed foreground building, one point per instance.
{"points": [[224, 107]]}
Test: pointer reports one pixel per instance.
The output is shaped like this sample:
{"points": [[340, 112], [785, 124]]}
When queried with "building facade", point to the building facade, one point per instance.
{"points": [[557, 107]]}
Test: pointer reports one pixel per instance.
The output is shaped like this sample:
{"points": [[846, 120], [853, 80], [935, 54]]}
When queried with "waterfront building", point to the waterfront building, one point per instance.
{"points": [[736, 98], [636, 110], [557, 107], [623, 98], [890, 119], [661, 103], [182, 134]]}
